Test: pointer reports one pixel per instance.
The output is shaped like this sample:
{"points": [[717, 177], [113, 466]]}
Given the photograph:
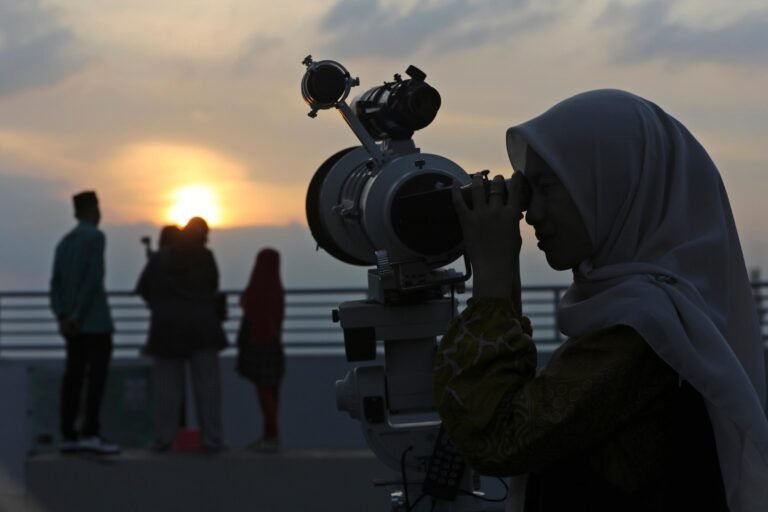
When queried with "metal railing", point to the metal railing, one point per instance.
{"points": [[29, 329]]}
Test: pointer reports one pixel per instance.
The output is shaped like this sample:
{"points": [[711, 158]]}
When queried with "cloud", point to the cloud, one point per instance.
{"points": [[252, 52], [36, 50], [32, 212], [646, 31], [48, 155], [376, 28]]}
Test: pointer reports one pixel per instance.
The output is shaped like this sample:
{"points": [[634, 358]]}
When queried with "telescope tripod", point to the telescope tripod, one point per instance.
{"points": [[378, 396]]}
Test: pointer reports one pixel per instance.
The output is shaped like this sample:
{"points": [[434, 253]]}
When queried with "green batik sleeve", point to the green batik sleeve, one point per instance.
{"points": [[505, 420], [485, 353]]}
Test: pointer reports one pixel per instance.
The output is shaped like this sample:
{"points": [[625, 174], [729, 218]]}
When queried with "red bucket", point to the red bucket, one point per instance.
{"points": [[188, 439]]}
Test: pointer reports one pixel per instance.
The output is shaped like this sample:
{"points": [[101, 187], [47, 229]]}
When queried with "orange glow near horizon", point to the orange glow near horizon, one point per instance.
{"points": [[170, 183], [195, 201]]}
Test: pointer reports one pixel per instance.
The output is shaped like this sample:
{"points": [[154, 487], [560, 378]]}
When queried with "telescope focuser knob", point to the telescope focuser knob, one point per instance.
{"points": [[346, 210]]}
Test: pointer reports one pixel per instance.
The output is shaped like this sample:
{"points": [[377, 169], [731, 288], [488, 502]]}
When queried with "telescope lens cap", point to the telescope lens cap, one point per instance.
{"points": [[326, 84]]}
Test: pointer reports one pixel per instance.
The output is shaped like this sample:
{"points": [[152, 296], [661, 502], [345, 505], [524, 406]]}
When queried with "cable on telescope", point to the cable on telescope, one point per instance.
{"points": [[492, 500]]}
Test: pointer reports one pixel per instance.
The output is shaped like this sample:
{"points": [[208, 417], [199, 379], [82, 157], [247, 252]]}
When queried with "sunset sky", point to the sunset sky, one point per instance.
{"points": [[159, 105]]}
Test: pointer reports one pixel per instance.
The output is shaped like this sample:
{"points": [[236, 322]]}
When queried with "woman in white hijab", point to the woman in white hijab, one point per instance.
{"points": [[656, 401]]}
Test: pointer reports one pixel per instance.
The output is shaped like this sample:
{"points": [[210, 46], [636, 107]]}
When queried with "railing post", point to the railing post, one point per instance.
{"points": [[757, 295], [555, 302]]}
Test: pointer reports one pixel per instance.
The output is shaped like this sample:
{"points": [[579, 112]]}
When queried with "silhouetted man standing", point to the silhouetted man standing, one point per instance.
{"points": [[79, 301]]}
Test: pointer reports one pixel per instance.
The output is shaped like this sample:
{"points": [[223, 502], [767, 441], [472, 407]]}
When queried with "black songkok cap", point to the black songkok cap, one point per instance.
{"points": [[84, 201]]}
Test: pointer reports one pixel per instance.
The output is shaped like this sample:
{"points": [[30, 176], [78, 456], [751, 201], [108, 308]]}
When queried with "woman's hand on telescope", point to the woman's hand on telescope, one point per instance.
{"points": [[492, 236]]}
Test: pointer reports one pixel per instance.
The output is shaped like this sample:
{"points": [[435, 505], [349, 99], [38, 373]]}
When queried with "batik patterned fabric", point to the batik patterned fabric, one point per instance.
{"points": [[485, 353], [602, 396]]}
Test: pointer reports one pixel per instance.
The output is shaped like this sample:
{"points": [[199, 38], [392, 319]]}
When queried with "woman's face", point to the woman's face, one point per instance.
{"points": [[558, 224]]}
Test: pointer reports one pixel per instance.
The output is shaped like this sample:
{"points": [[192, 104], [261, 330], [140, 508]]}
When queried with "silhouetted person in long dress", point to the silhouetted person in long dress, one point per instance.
{"points": [[180, 284], [79, 301], [260, 349]]}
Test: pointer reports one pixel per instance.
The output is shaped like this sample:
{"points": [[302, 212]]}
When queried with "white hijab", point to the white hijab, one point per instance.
{"points": [[667, 262]]}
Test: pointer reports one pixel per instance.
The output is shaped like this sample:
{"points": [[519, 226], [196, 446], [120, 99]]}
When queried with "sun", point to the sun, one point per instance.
{"points": [[194, 201]]}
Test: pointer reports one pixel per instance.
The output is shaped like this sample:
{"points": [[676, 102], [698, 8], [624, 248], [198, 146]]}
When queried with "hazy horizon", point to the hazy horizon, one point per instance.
{"points": [[235, 248]]}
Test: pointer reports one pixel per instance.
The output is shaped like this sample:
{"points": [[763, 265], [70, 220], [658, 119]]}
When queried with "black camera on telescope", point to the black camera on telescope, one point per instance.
{"points": [[397, 109]]}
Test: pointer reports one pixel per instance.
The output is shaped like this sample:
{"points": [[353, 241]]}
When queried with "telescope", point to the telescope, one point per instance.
{"points": [[360, 203], [387, 205]]}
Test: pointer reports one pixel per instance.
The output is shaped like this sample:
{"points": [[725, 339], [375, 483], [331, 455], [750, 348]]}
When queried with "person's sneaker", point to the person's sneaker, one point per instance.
{"points": [[69, 445], [96, 444]]}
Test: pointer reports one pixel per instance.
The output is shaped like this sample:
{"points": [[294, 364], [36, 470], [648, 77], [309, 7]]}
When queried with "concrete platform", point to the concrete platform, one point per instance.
{"points": [[305, 480]]}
